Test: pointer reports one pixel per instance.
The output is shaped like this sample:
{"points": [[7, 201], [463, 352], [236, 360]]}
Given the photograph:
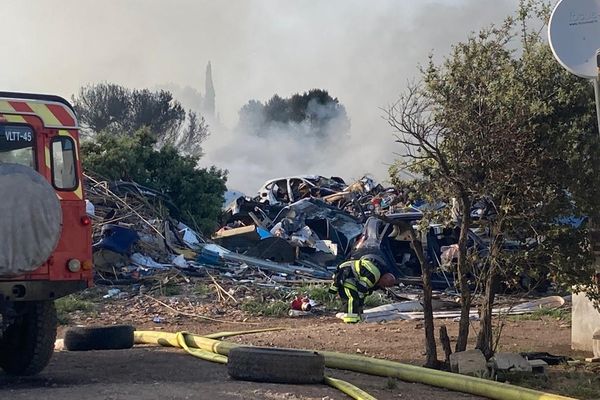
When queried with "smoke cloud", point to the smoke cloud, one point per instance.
{"points": [[362, 52]]}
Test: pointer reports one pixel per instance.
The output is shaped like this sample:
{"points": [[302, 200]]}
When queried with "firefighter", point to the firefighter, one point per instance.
{"points": [[355, 279]]}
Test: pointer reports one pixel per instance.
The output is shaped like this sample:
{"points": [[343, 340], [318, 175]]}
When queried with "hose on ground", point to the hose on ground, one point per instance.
{"points": [[373, 366], [343, 386], [202, 354], [348, 388], [219, 335]]}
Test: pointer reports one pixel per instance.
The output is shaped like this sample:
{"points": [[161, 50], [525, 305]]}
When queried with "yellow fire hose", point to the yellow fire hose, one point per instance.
{"points": [[220, 335], [343, 386], [203, 354], [373, 366], [348, 388]]}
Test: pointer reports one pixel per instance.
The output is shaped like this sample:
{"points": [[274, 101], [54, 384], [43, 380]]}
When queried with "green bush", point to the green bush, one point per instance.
{"points": [[197, 192]]}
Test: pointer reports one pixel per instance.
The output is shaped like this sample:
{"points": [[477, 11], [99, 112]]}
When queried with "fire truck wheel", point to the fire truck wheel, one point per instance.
{"points": [[82, 338], [28, 343], [275, 365]]}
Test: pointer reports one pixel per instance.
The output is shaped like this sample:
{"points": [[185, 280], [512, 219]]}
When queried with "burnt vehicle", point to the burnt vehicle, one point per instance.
{"points": [[246, 211], [390, 237], [284, 191], [325, 221]]}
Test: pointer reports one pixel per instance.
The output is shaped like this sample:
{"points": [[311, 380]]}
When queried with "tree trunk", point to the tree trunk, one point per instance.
{"points": [[462, 269], [445, 341], [485, 338], [430, 344]]}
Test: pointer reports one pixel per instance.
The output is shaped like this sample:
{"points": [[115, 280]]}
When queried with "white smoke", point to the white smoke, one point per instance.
{"points": [[362, 52], [252, 160]]}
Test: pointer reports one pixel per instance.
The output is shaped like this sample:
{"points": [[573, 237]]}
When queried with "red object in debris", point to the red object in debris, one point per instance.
{"points": [[376, 201], [301, 304]]}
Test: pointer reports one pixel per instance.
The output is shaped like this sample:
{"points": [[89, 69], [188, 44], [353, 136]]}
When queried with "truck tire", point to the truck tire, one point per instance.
{"points": [[115, 337], [32, 219], [275, 365], [27, 344]]}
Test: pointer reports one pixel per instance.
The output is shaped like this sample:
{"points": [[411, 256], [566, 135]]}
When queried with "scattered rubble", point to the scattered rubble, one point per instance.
{"points": [[448, 310], [501, 366], [136, 233], [510, 362], [139, 241]]}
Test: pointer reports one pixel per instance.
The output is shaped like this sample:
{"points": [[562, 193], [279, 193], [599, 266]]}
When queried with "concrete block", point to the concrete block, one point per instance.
{"points": [[538, 366], [470, 362], [512, 362]]}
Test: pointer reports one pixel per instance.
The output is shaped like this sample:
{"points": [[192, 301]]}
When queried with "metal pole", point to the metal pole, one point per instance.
{"points": [[597, 88], [593, 223]]}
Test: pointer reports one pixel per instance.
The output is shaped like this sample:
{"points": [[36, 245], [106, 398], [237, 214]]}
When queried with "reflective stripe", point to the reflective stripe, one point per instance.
{"points": [[44, 113], [47, 156], [356, 266], [351, 318], [372, 268], [5, 107], [350, 300], [14, 118], [53, 114], [359, 276]]}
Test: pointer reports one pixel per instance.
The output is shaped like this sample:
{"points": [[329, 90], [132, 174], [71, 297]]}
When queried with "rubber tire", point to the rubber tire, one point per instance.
{"points": [[28, 344], [115, 337], [275, 365], [32, 220]]}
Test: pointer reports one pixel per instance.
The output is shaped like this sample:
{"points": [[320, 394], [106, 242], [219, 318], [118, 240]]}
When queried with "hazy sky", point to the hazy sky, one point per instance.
{"points": [[363, 52]]}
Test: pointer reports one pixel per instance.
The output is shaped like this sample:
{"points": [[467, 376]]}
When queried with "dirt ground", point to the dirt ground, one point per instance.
{"points": [[161, 373], [396, 340]]}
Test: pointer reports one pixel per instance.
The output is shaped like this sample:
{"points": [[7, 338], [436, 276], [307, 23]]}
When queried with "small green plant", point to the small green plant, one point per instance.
{"points": [[391, 383], [277, 308], [376, 299], [68, 304], [201, 289], [549, 313], [170, 289]]}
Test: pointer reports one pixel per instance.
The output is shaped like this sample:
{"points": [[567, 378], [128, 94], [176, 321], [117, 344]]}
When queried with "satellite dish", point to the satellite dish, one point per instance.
{"points": [[574, 35]]}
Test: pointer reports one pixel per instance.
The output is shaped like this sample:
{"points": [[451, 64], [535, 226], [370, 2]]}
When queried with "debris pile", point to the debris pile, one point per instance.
{"points": [[269, 240], [136, 235]]}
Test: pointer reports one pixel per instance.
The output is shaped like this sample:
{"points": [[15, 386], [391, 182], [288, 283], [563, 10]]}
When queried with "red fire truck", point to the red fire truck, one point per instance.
{"points": [[45, 233]]}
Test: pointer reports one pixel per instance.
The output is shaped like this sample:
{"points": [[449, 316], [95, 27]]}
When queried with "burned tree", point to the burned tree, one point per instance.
{"points": [[413, 117]]}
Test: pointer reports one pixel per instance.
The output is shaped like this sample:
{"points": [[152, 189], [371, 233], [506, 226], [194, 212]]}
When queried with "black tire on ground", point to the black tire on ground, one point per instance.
{"points": [[113, 337], [275, 365], [27, 344]]}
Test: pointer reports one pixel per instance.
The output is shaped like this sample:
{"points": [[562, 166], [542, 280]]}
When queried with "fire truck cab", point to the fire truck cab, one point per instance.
{"points": [[45, 234]]}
